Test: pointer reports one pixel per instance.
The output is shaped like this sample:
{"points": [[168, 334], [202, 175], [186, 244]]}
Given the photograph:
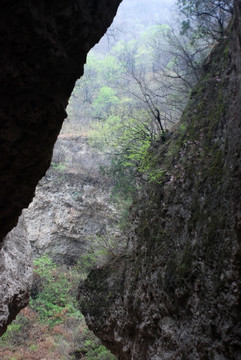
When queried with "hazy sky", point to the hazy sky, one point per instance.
{"points": [[134, 16], [147, 11]]}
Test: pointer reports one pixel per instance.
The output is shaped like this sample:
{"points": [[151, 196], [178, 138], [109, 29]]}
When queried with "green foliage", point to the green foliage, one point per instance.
{"points": [[156, 175], [129, 139], [150, 79], [102, 248], [104, 101], [124, 182], [52, 324], [205, 17], [10, 335], [110, 69], [33, 347], [58, 166], [55, 295], [93, 349], [16, 332], [138, 91], [183, 127], [88, 261]]}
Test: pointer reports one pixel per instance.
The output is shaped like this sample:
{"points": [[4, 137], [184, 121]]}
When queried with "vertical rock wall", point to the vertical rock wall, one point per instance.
{"points": [[176, 295]]}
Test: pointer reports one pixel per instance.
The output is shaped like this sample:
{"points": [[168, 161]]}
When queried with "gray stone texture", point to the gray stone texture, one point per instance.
{"points": [[176, 293]]}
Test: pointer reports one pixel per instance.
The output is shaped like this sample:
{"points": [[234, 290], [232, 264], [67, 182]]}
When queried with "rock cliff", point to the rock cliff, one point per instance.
{"points": [[72, 203], [176, 293], [15, 274], [43, 49]]}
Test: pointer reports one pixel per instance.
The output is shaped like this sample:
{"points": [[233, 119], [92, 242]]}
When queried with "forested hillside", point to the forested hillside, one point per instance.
{"points": [[135, 89]]}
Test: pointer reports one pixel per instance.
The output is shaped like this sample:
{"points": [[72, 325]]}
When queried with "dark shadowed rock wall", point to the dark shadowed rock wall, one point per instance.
{"points": [[176, 294], [43, 49]]}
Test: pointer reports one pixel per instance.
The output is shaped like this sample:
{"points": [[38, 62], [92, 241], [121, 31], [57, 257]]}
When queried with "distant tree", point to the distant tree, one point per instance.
{"points": [[138, 79], [177, 66], [85, 91], [206, 17], [159, 71], [104, 102], [128, 141], [87, 86]]}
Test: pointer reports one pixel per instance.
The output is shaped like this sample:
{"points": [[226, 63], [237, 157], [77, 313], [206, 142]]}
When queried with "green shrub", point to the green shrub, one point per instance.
{"points": [[56, 295], [33, 347], [102, 248], [93, 349], [16, 333], [52, 322], [58, 166]]}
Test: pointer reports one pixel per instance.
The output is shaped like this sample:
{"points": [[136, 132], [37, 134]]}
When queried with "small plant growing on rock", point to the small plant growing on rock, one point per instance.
{"points": [[59, 167]]}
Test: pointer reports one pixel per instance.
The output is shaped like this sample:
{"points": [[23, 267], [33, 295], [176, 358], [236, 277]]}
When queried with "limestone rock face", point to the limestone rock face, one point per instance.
{"points": [[72, 203], [43, 49], [176, 294], [15, 274]]}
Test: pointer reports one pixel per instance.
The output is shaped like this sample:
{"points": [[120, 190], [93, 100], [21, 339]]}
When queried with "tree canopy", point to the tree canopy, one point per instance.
{"points": [[130, 98], [206, 17]]}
